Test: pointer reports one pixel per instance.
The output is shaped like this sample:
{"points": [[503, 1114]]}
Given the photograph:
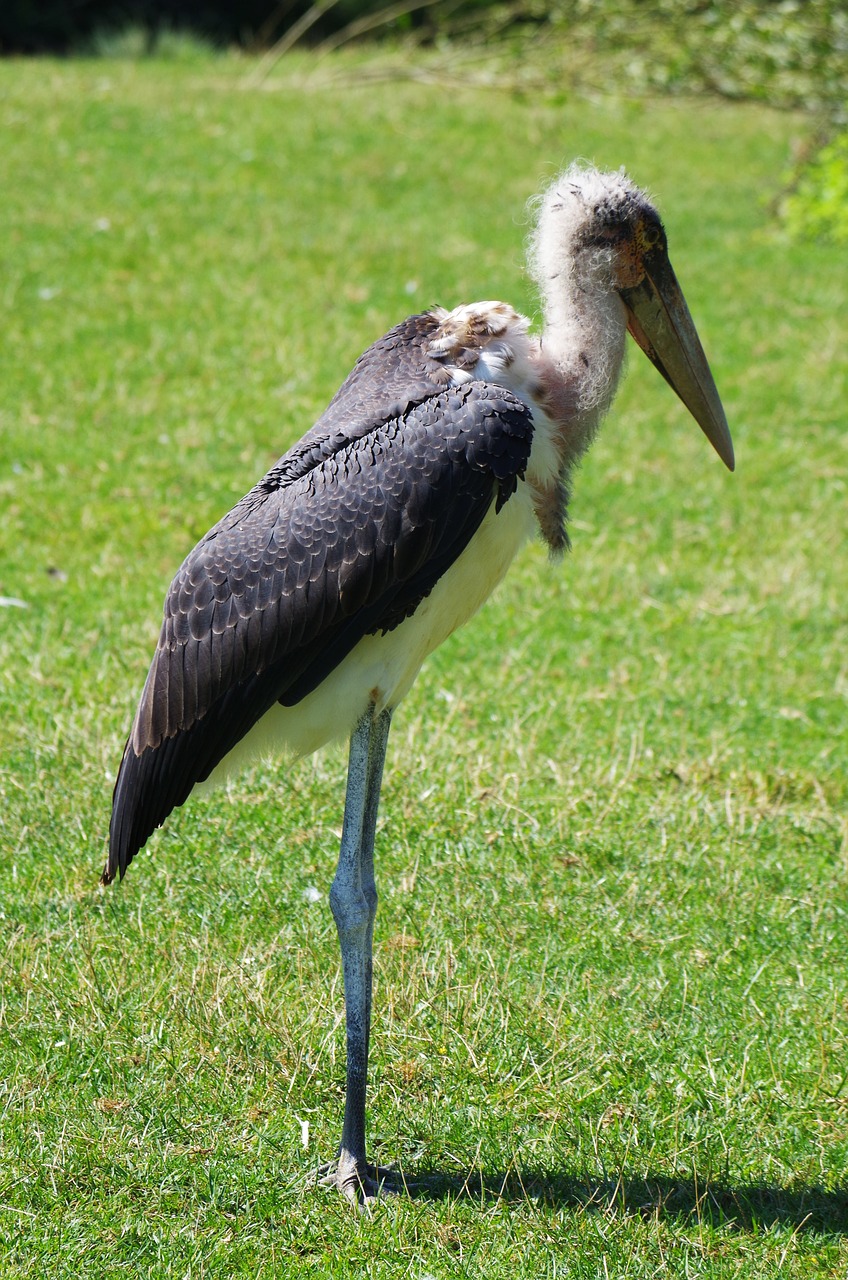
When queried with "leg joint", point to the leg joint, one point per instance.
{"points": [[351, 910]]}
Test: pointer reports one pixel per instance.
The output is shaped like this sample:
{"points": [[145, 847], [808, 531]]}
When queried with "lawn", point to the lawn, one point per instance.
{"points": [[611, 959]]}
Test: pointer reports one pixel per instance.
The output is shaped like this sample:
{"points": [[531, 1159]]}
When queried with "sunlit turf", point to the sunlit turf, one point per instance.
{"points": [[612, 998]]}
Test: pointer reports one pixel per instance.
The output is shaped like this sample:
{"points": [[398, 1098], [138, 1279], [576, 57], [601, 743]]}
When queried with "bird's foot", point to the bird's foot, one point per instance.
{"points": [[359, 1182]]}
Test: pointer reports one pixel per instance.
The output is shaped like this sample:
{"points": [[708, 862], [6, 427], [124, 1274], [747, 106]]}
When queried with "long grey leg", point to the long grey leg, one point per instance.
{"points": [[353, 900], [376, 759]]}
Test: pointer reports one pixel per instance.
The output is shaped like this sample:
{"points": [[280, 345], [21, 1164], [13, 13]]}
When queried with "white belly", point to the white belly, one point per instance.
{"points": [[382, 668]]}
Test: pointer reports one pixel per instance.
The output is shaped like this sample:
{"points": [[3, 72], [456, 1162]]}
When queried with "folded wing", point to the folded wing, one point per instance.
{"points": [[341, 539]]}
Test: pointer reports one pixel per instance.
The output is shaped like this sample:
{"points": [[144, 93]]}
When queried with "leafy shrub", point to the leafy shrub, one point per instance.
{"points": [[817, 207], [791, 53]]}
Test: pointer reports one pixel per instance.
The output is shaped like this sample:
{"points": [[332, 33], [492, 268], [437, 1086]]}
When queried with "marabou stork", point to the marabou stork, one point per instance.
{"points": [[307, 611]]}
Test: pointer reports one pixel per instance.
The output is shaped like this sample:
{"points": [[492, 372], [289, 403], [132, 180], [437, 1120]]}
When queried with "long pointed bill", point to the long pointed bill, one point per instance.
{"points": [[658, 318]]}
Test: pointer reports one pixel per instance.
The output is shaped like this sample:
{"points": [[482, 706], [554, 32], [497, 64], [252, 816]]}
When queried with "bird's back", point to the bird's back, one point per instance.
{"points": [[342, 539]]}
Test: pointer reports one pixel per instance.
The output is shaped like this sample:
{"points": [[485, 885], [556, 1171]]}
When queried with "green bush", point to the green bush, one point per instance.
{"points": [[792, 53], [817, 207]]}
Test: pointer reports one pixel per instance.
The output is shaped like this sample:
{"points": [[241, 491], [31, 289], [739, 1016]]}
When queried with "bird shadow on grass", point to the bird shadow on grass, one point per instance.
{"points": [[745, 1207]]}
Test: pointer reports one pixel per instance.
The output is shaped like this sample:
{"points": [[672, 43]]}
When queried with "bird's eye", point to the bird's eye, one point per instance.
{"points": [[652, 236]]}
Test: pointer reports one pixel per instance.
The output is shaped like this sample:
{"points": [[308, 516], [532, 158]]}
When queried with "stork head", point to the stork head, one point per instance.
{"points": [[613, 237]]}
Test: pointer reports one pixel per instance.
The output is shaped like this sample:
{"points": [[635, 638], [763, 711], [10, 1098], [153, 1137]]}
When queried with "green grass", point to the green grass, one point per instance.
{"points": [[612, 992]]}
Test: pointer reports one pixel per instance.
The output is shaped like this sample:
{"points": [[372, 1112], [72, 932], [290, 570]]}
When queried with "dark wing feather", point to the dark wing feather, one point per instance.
{"points": [[281, 590]]}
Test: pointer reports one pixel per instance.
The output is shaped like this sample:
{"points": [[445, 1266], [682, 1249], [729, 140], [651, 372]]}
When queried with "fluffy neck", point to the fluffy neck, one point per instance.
{"points": [[584, 319]]}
